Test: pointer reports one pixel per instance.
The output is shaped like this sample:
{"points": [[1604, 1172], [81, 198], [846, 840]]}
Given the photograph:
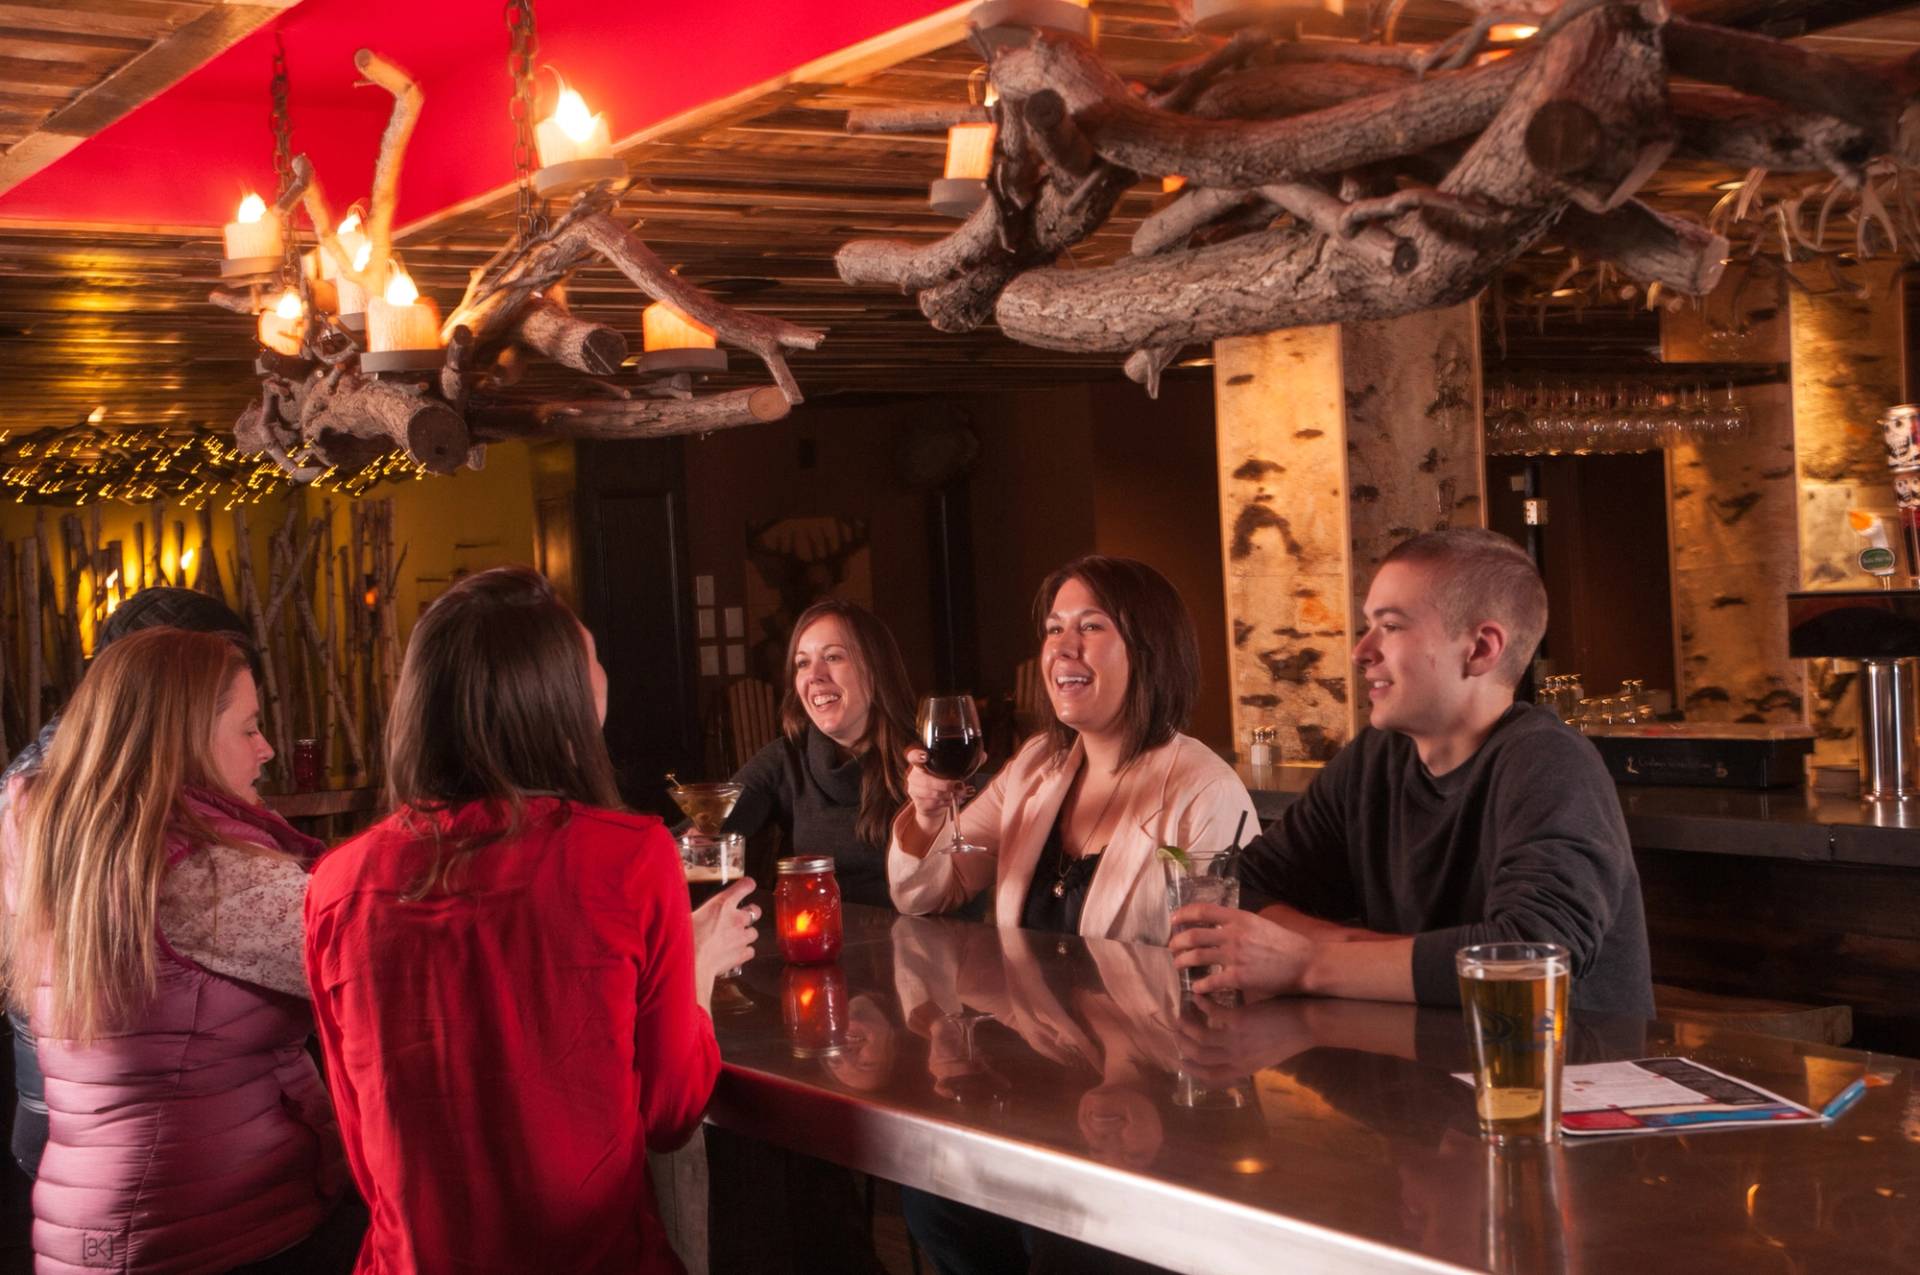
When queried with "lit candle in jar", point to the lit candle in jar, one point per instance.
{"points": [[572, 133], [256, 233], [403, 319], [664, 328], [283, 327], [806, 910]]}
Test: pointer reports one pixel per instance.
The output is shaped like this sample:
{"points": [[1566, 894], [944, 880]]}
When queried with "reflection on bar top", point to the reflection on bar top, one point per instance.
{"points": [[959, 1038]]}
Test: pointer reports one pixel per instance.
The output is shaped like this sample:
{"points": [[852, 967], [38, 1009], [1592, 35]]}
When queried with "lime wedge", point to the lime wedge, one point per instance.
{"points": [[1176, 854]]}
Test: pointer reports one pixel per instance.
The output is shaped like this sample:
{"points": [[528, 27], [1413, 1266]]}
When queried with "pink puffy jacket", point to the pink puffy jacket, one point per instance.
{"points": [[199, 1140]]}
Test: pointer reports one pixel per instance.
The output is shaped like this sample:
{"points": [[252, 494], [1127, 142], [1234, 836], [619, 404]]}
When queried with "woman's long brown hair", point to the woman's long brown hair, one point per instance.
{"points": [[494, 705], [93, 832], [883, 749]]}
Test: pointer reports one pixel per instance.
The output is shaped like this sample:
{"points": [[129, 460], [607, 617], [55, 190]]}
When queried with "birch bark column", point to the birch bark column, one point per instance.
{"points": [[1335, 444]]}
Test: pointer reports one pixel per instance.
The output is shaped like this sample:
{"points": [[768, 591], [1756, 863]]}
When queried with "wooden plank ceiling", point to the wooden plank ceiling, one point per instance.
{"points": [[751, 203]]}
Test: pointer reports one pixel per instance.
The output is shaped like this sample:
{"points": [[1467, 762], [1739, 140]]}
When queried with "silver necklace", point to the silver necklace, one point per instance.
{"points": [[1060, 871]]}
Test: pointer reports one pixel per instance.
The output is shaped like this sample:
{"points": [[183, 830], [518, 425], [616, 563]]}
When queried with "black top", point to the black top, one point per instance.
{"points": [[1058, 913], [814, 797], [1523, 841]]}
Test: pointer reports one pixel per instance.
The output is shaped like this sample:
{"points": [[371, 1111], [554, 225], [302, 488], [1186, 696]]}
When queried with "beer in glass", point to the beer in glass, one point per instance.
{"points": [[1515, 999]]}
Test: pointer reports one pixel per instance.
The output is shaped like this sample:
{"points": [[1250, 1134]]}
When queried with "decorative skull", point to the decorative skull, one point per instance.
{"points": [[1897, 433], [1906, 488]]}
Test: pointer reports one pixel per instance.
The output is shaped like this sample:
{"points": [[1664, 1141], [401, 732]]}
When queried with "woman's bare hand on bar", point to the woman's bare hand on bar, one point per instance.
{"points": [[723, 934]]}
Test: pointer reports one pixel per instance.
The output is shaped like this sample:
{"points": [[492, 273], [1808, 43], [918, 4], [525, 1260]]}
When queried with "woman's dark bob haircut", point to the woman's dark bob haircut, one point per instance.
{"points": [[1163, 653]]}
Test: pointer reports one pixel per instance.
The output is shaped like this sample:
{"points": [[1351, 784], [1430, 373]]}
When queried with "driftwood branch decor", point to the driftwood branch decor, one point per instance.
{"points": [[320, 412], [1329, 181]]}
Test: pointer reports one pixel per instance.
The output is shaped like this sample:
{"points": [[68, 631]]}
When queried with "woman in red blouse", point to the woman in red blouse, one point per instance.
{"points": [[510, 992]]}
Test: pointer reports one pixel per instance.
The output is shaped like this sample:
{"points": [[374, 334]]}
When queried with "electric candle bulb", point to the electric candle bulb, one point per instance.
{"points": [[572, 133], [402, 319], [353, 297], [353, 241], [664, 328], [1505, 31], [256, 233], [283, 328], [970, 151]]}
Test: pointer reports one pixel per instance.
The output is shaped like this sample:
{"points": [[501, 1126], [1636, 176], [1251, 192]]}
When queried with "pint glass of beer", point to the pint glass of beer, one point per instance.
{"points": [[1515, 999]]}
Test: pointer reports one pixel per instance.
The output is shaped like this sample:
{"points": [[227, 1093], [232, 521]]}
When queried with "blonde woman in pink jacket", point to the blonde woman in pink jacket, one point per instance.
{"points": [[1069, 828]]}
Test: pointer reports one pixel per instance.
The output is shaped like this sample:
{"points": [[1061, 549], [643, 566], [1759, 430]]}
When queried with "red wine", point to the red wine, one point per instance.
{"points": [[955, 756]]}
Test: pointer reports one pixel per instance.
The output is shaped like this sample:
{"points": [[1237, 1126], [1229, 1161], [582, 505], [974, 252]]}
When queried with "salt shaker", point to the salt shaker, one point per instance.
{"points": [[1260, 751]]}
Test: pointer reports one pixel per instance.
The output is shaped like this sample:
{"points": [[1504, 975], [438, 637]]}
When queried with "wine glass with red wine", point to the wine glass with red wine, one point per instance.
{"points": [[950, 730]]}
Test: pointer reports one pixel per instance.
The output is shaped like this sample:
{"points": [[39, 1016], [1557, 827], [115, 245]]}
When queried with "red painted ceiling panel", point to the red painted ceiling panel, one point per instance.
{"points": [[186, 157]]}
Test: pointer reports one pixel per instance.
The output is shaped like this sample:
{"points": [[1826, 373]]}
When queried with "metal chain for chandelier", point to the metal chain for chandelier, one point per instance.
{"points": [[525, 42], [281, 121]]}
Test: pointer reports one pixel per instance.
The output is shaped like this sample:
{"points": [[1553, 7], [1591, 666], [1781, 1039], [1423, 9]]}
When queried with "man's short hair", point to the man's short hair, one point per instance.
{"points": [[1482, 575]]}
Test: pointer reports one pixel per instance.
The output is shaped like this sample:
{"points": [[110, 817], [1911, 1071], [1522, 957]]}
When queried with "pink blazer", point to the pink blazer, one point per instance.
{"points": [[1179, 794]]}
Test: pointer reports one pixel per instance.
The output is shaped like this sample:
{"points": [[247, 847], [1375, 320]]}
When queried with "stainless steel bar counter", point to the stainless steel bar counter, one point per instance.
{"points": [[1062, 1083]]}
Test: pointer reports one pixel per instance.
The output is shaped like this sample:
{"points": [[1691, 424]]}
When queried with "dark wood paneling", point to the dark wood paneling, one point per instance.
{"points": [[636, 598], [1817, 934]]}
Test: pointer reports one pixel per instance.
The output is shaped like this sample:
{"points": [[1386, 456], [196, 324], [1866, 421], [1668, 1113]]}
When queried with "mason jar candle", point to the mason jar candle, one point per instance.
{"points": [[806, 910]]}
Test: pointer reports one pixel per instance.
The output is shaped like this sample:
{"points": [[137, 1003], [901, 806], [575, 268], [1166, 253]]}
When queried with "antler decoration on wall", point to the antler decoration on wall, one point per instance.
{"points": [[319, 410], [1330, 181]]}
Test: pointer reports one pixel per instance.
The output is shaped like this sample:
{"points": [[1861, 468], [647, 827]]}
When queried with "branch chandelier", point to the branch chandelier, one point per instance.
{"points": [[356, 365], [1320, 180]]}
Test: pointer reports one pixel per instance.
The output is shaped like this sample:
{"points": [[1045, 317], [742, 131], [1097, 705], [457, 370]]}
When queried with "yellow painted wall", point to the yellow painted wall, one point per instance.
{"points": [[117, 522], [455, 526]]}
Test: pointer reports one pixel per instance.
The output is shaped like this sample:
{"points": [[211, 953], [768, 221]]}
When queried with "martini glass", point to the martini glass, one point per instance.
{"points": [[708, 865]]}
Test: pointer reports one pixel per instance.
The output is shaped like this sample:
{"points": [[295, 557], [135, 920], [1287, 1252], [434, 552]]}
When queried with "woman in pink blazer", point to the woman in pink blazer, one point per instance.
{"points": [[1070, 827]]}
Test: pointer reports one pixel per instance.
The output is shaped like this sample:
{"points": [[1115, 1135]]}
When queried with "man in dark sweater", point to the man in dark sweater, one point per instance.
{"points": [[1458, 816]]}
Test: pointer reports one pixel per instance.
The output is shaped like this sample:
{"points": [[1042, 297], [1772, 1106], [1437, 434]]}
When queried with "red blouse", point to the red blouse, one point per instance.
{"points": [[503, 1056]]}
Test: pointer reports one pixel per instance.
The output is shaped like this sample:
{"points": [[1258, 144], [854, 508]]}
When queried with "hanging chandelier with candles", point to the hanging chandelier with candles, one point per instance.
{"points": [[356, 363], [1320, 180]]}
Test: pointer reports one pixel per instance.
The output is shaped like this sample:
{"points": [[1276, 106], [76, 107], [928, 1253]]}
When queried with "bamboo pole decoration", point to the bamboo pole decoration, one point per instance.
{"points": [[180, 577], [247, 586], [207, 578], [46, 615], [30, 555], [70, 554], [335, 698], [11, 682], [158, 575], [8, 664], [328, 641], [357, 612], [139, 567]]}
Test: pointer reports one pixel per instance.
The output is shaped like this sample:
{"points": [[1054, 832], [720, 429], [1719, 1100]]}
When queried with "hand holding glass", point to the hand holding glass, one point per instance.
{"points": [[950, 732], [1191, 880]]}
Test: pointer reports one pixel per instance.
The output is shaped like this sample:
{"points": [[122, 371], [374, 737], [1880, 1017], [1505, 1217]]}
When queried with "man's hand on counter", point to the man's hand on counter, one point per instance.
{"points": [[1282, 952]]}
